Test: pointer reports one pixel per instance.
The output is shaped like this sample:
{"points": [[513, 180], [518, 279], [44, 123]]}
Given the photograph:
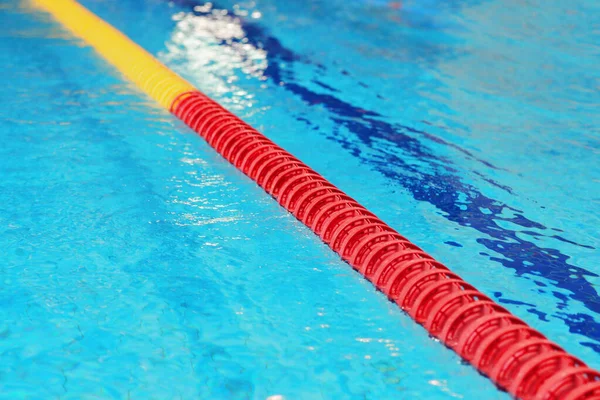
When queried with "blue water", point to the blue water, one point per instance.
{"points": [[136, 263]]}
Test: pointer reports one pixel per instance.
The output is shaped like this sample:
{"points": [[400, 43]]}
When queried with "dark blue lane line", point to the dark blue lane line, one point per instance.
{"points": [[459, 202]]}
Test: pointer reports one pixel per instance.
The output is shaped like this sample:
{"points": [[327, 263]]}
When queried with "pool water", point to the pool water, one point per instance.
{"points": [[136, 263]]}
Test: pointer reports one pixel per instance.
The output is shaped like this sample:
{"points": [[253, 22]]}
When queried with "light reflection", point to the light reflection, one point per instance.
{"points": [[212, 51]]}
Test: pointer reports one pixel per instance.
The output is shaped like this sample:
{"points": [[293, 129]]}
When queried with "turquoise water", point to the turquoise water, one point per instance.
{"points": [[138, 264]]}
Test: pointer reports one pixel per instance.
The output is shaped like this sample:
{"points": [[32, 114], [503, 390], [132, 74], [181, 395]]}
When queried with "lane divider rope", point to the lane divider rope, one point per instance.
{"points": [[516, 357]]}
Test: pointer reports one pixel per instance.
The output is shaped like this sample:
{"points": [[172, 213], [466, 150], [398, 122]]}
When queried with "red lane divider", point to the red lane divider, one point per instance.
{"points": [[516, 357]]}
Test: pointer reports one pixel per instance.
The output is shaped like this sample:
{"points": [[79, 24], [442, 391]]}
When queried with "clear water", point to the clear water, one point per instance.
{"points": [[135, 263]]}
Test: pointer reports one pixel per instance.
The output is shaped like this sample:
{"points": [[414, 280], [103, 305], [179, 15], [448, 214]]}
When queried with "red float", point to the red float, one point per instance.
{"points": [[516, 357]]}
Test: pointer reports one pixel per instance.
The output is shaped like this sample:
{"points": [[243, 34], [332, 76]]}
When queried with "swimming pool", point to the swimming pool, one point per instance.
{"points": [[135, 248]]}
